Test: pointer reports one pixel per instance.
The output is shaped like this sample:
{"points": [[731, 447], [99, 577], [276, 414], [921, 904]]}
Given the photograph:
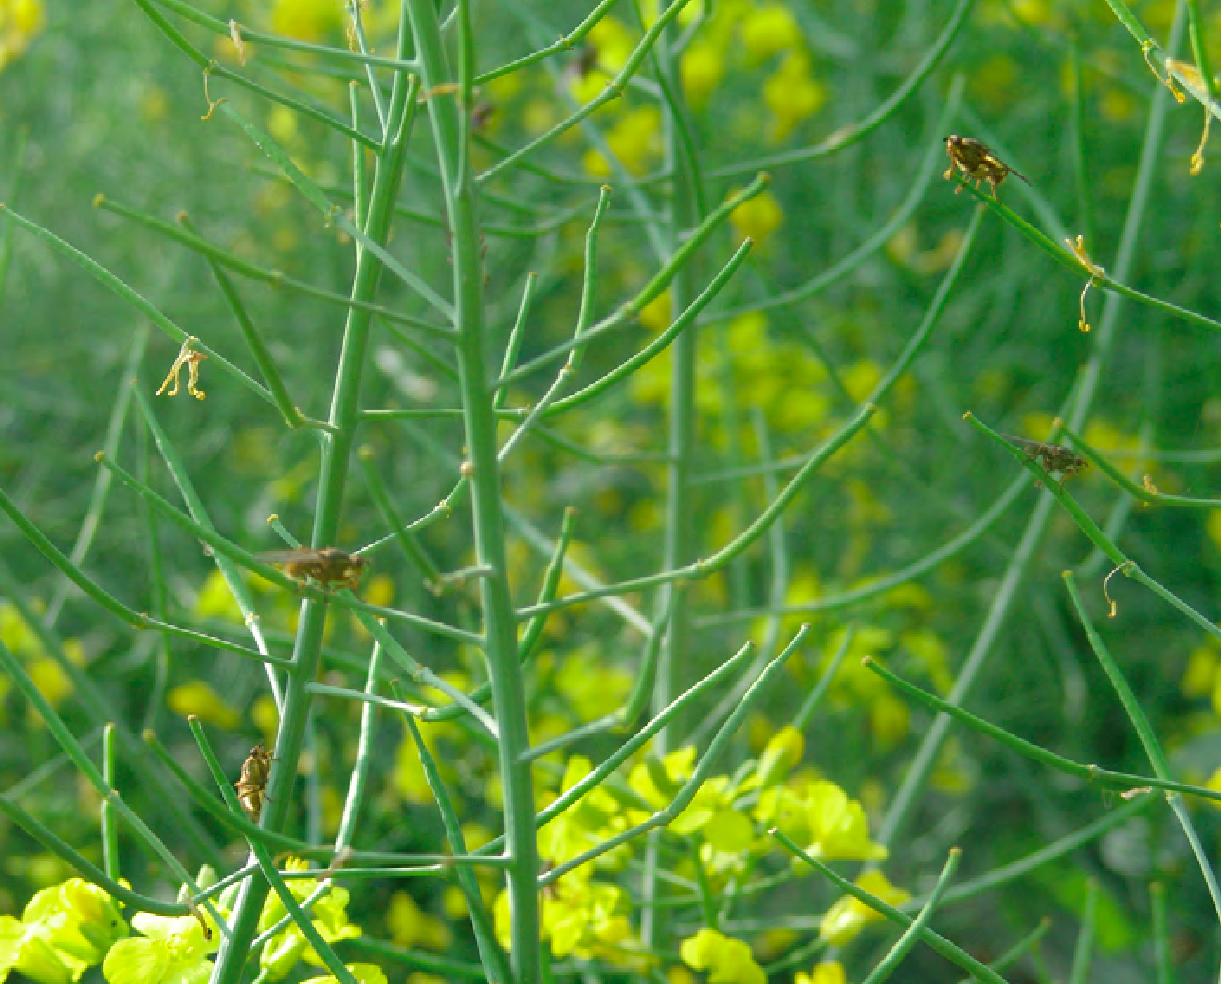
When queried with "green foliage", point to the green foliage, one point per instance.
{"points": [[693, 615]]}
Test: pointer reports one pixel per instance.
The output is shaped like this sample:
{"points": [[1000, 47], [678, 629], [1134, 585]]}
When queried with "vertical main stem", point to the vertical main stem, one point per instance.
{"points": [[678, 533], [450, 119], [336, 453]]}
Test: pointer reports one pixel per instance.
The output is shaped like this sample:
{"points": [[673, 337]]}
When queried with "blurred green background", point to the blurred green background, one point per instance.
{"points": [[100, 103]]}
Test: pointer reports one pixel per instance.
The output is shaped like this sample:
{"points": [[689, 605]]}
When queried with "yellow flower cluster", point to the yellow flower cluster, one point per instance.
{"points": [[20, 22]]}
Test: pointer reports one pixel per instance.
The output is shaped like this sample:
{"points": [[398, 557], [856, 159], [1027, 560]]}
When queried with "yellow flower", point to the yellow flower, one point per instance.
{"points": [[756, 218], [768, 30], [169, 949], [783, 753], [198, 698], [728, 960], [309, 20], [577, 916], [589, 685], [701, 69], [829, 972], [847, 916], [363, 973], [656, 314], [411, 927], [821, 817], [635, 140], [792, 94], [20, 21], [1202, 675], [328, 916]]}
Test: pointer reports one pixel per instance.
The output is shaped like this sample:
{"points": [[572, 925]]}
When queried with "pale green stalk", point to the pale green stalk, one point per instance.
{"points": [[334, 466], [450, 125]]}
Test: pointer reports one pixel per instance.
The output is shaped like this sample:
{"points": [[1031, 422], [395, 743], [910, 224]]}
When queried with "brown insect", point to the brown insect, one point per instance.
{"points": [[1053, 457], [977, 162], [328, 566], [252, 779]]}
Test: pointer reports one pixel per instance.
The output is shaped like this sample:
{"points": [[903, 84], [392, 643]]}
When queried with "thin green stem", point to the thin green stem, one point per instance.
{"points": [[892, 959], [1146, 734], [944, 947], [451, 139], [334, 466], [1125, 781], [1138, 491]]}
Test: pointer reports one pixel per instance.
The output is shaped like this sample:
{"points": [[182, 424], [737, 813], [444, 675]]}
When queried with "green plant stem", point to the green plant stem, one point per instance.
{"points": [[63, 850], [1069, 261], [211, 66], [701, 771], [252, 562], [845, 136], [1089, 773], [259, 351], [1146, 734], [122, 290], [243, 268], [451, 137], [1090, 529], [1017, 949], [334, 466], [110, 830], [1163, 958], [266, 40], [292, 909], [492, 958], [892, 959], [1081, 962], [72, 748], [1079, 404], [728, 552], [944, 947], [1136, 490]]}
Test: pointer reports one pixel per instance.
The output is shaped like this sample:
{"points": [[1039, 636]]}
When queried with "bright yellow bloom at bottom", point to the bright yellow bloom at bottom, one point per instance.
{"points": [[728, 960], [829, 972]]}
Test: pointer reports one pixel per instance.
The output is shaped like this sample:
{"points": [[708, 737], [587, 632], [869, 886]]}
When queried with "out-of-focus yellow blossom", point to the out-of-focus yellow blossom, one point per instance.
{"points": [[50, 679], [656, 781], [792, 94], [409, 776], [454, 903], [411, 927], [363, 973], [20, 21], [829, 972], [656, 313], [768, 30], [1213, 526], [154, 104], [590, 686], [995, 80], [307, 20], [756, 218], [1118, 105], [198, 698], [951, 774], [327, 914], [64, 930], [726, 959], [1202, 675], [170, 950], [927, 648], [216, 600], [903, 248], [266, 718], [635, 140], [702, 67], [680, 975], [820, 817], [847, 916], [283, 124]]}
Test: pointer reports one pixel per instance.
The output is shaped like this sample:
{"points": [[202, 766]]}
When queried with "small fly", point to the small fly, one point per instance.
{"points": [[978, 163], [328, 566], [1053, 457], [252, 779]]}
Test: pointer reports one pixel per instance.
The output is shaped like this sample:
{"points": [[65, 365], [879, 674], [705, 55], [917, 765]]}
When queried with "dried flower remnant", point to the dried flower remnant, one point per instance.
{"points": [[252, 779], [977, 163], [1095, 272], [189, 357]]}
